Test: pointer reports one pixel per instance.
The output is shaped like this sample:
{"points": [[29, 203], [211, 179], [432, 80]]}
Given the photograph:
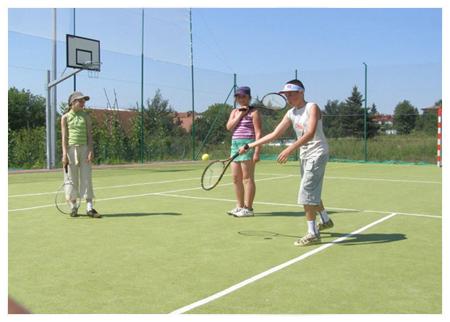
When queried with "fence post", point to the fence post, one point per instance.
{"points": [[365, 112], [439, 137]]}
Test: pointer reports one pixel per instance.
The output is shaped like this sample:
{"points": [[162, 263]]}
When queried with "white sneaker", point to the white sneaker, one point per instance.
{"points": [[245, 213], [234, 211]]}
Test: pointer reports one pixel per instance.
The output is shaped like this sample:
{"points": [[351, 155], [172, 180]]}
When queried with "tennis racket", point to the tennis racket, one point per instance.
{"points": [[273, 101], [63, 204], [214, 172]]}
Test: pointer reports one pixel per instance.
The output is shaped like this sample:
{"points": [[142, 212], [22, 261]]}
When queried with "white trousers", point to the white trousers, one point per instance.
{"points": [[80, 173]]}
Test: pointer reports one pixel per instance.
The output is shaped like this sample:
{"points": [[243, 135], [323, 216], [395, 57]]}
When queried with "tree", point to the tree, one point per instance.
{"points": [[352, 115], [213, 121], [163, 137], [372, 126], [405, 117], [332, 124], [25, 110]]}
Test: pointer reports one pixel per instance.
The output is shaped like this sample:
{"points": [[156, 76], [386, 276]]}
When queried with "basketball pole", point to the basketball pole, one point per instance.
{"points": [[54, 96], [47, 121]]}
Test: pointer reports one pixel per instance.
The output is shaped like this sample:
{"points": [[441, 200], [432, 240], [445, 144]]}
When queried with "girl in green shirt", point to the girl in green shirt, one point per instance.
{"points": [[78, 153]]}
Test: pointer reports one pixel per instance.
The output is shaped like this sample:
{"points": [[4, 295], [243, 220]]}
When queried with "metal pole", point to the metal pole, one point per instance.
{"points": [[365, 112], [74, 32], [296, 74], [47, 120], [142, 91], [54, 98], [234, 88], [192, 85]]}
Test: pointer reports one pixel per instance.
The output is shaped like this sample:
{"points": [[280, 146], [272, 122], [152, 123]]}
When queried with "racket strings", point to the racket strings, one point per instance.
{"points": [[212, 174], [274, 101]]}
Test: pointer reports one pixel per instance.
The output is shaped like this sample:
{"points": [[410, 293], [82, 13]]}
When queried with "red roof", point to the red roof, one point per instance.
{"points": [[125, 116], [383, 118]]}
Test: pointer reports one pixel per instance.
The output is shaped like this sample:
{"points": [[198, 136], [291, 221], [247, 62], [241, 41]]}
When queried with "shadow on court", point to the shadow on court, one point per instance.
{"points": [[289, 213], [328, 237], [364, 239], [141, 214]]}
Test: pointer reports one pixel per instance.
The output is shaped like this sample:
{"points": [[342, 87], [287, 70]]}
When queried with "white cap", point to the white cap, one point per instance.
{"points": [[292, 88]]}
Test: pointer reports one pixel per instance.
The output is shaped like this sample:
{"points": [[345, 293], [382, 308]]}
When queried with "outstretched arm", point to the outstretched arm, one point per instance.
{"points": [[279, 130]]}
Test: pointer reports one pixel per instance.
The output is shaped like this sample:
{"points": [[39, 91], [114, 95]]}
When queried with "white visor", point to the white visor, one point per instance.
{"points": [[292, 88]]}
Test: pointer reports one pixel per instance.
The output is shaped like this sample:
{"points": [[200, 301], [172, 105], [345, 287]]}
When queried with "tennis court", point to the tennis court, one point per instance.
{"points": [[166, 246]]}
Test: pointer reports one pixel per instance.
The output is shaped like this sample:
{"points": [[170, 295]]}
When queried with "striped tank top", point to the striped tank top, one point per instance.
{"points": [[245, 129]]}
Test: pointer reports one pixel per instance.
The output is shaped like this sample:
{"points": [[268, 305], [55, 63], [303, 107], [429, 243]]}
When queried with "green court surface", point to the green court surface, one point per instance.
{"points": [[164, 243]]}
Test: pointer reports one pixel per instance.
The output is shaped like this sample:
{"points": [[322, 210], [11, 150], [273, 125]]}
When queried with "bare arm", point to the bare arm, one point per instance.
{"points": [[235, 117], [279, 130], [90, 140], [258, 129], [64, 139], [89, 133]]}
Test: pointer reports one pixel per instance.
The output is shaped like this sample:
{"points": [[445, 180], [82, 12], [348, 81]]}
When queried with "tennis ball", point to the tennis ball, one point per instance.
{"points": [[205, 157]]}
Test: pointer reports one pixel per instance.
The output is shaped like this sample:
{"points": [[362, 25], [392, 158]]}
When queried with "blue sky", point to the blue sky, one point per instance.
{"points": [[263, 46]]}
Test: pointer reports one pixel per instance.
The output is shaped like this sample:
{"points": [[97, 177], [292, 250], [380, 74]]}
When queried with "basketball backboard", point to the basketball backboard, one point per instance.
{"points": [[83, 53]]}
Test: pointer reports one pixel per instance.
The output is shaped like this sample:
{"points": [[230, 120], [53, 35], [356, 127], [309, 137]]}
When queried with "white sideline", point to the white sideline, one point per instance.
{"points": [[108, 187], [123, 186], [196, 178], [166, 194], [382, 179], [143, 194], [170, 193], [276, 268]]}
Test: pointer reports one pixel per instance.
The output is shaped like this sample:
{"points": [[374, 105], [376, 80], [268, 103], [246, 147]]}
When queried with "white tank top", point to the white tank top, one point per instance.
{"points": [[318, 145]]}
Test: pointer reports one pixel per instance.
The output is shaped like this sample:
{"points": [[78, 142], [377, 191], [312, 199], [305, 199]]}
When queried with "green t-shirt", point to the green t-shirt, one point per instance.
{"points": [[77, 127]]}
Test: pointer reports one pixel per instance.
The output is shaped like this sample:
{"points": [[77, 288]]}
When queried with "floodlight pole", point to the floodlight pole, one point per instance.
{"points": [[74, 33], [296, 77], [192, 86], [142, 91], [365, 112]]}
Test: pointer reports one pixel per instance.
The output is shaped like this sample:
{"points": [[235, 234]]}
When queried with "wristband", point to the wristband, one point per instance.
{"points": [[246, 147]]}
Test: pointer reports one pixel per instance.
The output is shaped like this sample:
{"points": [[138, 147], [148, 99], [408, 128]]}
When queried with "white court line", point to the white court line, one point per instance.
{"points": [[383, 179], [143, 194], [170, 193], [296, 205], [196, 178], [276, 268], [108, 187], [366, 179], [122, 186]]}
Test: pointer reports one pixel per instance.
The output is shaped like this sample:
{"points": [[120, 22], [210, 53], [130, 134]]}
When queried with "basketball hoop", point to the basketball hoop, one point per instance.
{"points": [[93, 69]]}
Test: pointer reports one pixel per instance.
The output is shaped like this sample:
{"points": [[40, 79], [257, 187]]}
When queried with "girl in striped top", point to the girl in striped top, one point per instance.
{"points": [[245, 124]]}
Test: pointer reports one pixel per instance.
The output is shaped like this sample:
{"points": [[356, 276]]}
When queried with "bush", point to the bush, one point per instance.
{"points": [[26, 148]]}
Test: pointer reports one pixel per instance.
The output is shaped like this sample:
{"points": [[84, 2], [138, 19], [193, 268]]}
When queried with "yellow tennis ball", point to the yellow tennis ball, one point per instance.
{"points": [[205, 157]]}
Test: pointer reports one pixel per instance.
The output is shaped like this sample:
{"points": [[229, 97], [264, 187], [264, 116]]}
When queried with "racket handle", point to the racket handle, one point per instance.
{"points": [[235, 156]]}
